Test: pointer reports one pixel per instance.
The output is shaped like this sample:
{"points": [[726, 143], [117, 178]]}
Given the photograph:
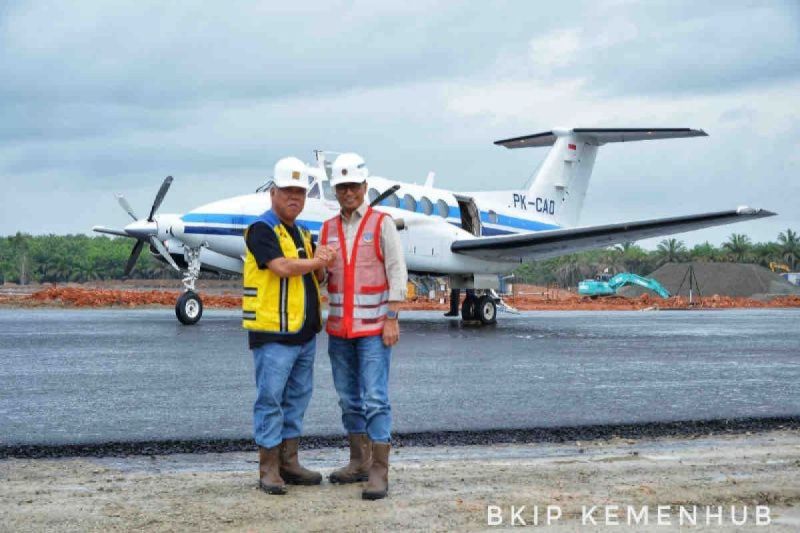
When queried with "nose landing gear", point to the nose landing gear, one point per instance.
{"points": [[189, 307]]}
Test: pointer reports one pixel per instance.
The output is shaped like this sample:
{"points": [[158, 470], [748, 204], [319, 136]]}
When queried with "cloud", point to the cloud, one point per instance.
{"points": [[100, 97]]}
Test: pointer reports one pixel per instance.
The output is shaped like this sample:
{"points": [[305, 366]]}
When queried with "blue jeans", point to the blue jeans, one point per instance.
{"points": [[361, 377], [284, 381]]}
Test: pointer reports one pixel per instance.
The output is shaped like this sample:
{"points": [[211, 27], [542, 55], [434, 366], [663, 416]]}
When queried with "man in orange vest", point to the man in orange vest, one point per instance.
{"points": [[366, 283]]}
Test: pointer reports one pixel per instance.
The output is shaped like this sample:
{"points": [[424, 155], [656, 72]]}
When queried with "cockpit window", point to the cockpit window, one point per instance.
{"points": [[372, 194], [327, 191], [313, 192], [267, 186]]}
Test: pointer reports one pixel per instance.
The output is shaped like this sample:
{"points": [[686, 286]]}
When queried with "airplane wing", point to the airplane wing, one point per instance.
{"points": [[553, 243]]}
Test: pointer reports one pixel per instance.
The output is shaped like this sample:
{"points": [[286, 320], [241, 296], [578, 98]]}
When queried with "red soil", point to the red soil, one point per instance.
{"points": [[541, 300]]}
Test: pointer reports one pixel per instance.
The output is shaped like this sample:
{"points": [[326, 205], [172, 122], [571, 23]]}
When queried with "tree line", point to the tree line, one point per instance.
{"points": [[568, 270], [80, 258], [61, 258]]}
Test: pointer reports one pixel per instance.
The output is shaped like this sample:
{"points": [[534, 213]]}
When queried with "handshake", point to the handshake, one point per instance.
{"points": [[327, 254]]}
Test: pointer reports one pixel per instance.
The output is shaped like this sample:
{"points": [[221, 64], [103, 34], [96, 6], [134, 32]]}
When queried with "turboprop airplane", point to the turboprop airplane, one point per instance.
{"points": [[471, 237]]}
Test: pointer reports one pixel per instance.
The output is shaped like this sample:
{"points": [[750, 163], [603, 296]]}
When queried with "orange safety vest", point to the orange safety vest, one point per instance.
{"points": [[358, 290]]}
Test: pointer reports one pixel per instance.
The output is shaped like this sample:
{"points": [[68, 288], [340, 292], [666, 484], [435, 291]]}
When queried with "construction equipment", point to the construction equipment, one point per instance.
{"points": [[779, 266], [600, 287]]}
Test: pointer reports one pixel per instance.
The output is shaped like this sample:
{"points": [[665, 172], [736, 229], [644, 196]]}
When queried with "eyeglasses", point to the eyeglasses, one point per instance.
{"points": [[344, 187]]}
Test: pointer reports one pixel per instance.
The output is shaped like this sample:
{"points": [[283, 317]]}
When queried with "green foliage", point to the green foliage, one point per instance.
{"points": [[60, 258], [789, 247]]}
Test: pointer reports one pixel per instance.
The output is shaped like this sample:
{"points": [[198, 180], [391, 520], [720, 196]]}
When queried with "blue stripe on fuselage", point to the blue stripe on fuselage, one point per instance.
{"points": [[198, 223], [232, 220]]}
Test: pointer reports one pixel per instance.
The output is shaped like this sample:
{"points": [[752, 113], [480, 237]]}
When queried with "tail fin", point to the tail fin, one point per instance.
{"points": [[558, 189]]}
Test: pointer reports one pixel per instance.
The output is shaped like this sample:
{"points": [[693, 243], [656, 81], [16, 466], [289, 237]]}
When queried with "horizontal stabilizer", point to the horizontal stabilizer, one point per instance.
{"points": [[553, 243], [600, 136]]}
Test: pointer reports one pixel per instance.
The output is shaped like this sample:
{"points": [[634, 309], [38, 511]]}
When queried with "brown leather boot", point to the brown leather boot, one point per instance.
{"points": [[378, 484], [269, 478], [360, 461], [291, 469]]}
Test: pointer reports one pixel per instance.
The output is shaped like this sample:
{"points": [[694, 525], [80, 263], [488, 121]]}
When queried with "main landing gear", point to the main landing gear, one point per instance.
{"points": [[479, 308], [189, 307]]}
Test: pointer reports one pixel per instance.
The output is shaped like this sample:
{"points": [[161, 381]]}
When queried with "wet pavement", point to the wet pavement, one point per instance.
{"points": [[88, 376]]}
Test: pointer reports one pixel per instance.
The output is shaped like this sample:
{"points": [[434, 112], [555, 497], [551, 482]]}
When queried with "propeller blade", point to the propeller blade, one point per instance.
{"points": [[126, 206], [110, 231], [162, 192], [164, 253], [137, 249], [385, 194]]}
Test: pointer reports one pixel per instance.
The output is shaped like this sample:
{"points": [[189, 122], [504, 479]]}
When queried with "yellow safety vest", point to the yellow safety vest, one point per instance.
{"points": [[270, 303]]}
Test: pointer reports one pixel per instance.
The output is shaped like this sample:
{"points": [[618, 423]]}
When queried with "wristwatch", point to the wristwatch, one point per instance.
{"points": [[392, 315]]}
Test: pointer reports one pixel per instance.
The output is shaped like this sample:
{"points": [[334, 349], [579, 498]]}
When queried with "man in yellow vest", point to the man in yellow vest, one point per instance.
{"points": [[281, 311], [366, 283]]}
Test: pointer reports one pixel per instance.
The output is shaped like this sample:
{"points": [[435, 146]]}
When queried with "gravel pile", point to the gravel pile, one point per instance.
{"points": [[724, 279]]}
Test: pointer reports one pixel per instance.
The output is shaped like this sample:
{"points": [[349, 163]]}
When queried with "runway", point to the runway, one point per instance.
{"points": [[89, 376]]}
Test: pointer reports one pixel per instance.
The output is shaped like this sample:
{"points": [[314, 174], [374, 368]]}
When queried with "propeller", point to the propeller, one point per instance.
{"points": [[145, 232], [162, 192], [163, 251], [137, 249], [126, 206]]}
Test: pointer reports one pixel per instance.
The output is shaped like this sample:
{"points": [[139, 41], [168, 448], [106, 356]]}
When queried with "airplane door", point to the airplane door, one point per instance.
{"points": [[470, 215]]}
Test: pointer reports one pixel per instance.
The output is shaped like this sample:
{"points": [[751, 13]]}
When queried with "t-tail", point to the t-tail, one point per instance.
{"points": [[559, 187]]}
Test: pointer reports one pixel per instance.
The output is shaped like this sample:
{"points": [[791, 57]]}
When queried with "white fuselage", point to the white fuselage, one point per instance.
{"points": [[432, 218]]}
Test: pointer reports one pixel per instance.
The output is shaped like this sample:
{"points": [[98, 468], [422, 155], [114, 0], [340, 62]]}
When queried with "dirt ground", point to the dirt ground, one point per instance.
{"points": [[440, 488], [225, 295]]}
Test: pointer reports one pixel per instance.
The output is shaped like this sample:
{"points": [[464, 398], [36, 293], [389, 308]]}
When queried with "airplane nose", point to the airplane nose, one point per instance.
{"points": [[169, 226], [141, 229]]}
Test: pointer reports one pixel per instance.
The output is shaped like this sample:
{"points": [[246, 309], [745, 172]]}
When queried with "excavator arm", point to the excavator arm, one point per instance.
{"points": [[626, 278]]}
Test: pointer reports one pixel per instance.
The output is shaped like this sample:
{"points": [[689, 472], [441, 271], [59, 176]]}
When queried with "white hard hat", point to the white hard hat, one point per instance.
{"points": [[290, 172], [349, 168]]}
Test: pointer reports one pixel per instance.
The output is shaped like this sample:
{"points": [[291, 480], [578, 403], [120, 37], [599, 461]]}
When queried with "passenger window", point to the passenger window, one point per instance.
{"points": [[492, 218], [426, 205], [442, 209], [409, 203], [391, 201]]}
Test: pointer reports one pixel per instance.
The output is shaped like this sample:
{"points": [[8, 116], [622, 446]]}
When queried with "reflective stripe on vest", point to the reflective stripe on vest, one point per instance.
{"points": [[270, 303], [358, 290]]}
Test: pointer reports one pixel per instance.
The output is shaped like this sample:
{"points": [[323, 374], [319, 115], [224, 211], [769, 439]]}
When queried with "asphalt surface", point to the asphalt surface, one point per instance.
{"points": [[122, 376]]}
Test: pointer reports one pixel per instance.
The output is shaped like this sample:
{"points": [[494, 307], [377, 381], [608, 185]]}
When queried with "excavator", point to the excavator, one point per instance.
{"points": [[609, 286], [775, 267]]}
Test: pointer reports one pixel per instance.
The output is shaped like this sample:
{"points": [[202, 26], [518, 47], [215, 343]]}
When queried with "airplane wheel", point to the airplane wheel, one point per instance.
{"points": [[487, 310], [469, 309], [189, 308]]}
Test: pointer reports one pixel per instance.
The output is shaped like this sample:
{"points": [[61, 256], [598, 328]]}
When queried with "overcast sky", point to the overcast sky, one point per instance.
{"points": [[104, 97]]}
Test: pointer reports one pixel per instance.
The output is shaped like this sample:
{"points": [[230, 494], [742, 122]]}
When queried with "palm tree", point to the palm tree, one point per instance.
{"points": [[634, 258], [670, 251], [704, 252], [790, 247], [610, 260], [738, 246], [571, 269]]}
